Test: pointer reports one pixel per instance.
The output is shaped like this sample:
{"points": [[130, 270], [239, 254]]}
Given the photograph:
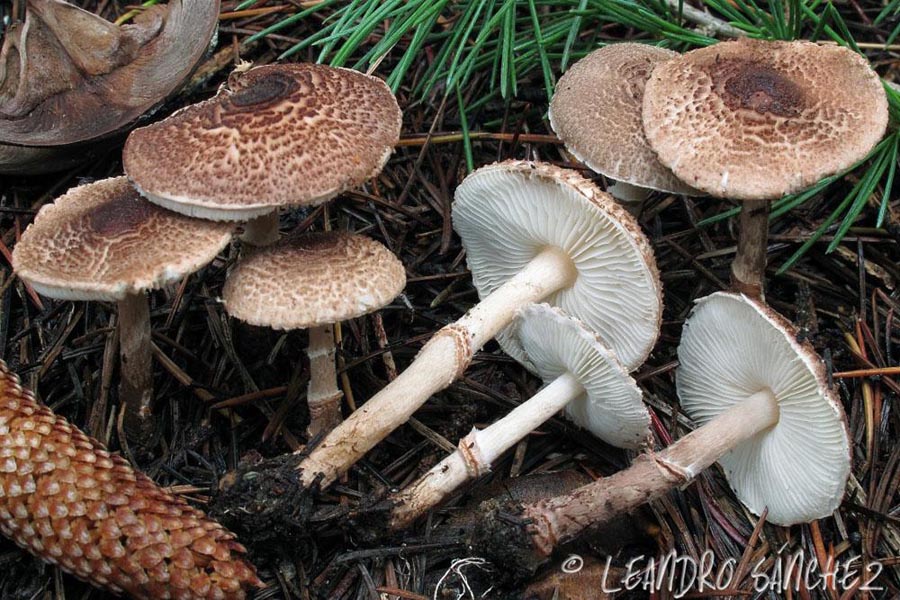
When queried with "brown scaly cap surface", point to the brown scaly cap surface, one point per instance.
{"points": [[294, 134], [313, 279], [755, 119], [102, 241], [67, 75], [596, 112], [67, 500]]}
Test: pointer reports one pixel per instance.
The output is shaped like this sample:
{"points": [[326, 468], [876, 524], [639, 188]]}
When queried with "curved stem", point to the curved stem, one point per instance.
{"points": [[261, 231], [480, 449], [323, 395], [559, 519], [136, 381], [748, 270], [439, 363]]}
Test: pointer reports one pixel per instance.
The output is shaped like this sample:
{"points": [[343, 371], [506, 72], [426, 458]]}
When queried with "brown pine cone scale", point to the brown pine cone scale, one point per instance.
{"points": [[67, 500]]}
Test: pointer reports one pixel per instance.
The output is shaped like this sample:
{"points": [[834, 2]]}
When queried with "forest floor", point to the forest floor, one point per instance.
{"points": [[227, 392]]}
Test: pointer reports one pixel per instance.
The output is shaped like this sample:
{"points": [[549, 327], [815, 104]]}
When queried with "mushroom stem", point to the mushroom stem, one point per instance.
{"points": [[261, 231], [556, 520], [443, 359], [478, 450], [136, 385], [628, 193], [323, 395], [748, 270]]}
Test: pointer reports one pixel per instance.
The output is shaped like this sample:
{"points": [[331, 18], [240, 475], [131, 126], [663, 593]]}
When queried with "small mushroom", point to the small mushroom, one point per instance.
{"points": [[67, 500], [277, 135], [532, 232], [312, 282], [582, 376], [68, 76], [596, 112], [766, 414], [754, 120], [102, 241]]}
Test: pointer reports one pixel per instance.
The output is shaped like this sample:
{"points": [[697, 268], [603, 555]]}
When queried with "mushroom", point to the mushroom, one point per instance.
{"points": [[68, 76], [766, 414], [532, 232], [583, 376], [312, 282], [596, 112], [277, 135], [102, 241], [753, 120], [65, 499]]}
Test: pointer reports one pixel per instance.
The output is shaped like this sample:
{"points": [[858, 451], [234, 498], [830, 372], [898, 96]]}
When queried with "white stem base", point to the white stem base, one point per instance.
{"points": [[443, 359], [480, 449], [556, 520]]}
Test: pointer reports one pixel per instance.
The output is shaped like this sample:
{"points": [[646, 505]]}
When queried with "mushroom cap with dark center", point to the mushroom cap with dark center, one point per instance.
{"points": [[277, 135], [733, 347], [753, 119], [612, 406], [102, 241], [313, 279], [596, 112], [507, 213], [67, 75]]}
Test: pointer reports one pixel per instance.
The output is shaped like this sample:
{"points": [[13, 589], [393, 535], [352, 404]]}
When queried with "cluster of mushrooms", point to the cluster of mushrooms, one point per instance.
{"points": [[568, 285]]}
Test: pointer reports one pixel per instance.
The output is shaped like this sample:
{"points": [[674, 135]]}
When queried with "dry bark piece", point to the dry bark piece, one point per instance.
{"points": [[68, 76], [753, 119], [532, 233], [312, 282], [583, 377], [596, 112], [67, 500], [767, 416], [102, 241], [277, 135]]}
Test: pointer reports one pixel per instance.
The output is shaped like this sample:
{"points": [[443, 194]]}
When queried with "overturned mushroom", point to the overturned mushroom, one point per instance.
{"points": [[312, 282], [596, 112], [532, 232], [68, 76], [583, 377], [102, 241], [277, 135], [67, 500], [754, 120], [767, 415]]}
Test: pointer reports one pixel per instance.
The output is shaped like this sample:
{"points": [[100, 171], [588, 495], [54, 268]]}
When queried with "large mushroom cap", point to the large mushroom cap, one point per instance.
{"points": [[102, 241], [612, 406], [67, 75], [733, 347], [293, 134], [509, 212], [753, 119], [596, 112], [313, 279]]}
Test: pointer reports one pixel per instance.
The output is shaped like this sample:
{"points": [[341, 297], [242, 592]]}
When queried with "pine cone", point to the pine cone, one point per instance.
{"points": [[64, 498]]}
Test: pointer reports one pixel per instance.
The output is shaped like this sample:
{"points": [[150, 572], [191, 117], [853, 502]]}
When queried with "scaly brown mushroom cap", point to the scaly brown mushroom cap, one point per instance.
{"points": [[596, 112], [277, 135], [753, 119], [102, 241], [67, 75], [313, 279]]}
